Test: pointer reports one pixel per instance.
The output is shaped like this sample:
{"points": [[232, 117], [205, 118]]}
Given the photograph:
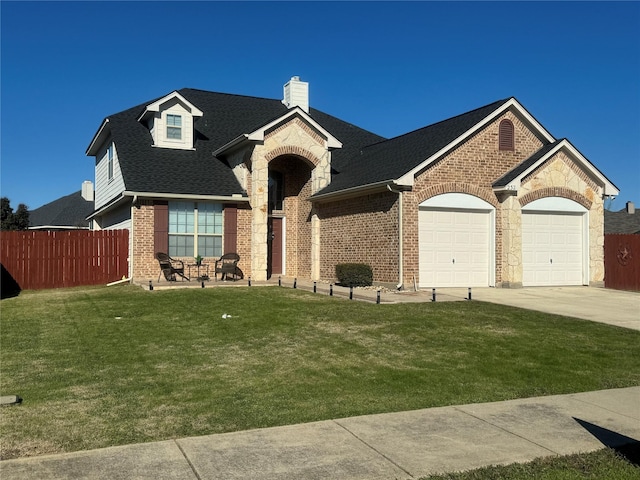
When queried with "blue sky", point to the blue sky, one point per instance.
{"points": [[387, 67]]}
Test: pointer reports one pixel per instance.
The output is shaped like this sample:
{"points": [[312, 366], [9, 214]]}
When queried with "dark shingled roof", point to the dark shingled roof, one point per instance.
{"points": [[225, 117], [390, 159], [621, 222], [68, 211], [519, 169]]}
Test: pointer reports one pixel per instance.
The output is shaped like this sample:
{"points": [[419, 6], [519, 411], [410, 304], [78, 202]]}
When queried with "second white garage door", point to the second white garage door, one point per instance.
{"points": [[552, 248], [455, 246]]}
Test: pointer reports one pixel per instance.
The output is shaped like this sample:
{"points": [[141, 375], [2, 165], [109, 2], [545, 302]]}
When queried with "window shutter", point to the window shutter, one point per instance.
{"points": [[506, 140], [161, 227], [230, 229]]}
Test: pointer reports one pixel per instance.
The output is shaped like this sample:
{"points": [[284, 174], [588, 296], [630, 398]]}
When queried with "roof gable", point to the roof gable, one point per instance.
{"points": [[258, 134], [512, 180]]}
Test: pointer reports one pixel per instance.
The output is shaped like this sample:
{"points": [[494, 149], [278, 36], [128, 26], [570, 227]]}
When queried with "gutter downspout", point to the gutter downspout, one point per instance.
{"points": [[400, 242], [131, 237]]}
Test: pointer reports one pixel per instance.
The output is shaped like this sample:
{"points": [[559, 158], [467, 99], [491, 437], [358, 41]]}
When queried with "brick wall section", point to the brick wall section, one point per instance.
{"points": [[145, 265], [144, 262], [243, 241], [360, 230]]}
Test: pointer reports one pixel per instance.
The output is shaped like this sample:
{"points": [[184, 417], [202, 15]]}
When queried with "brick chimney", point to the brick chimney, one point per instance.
{"points": [[296, 94]]}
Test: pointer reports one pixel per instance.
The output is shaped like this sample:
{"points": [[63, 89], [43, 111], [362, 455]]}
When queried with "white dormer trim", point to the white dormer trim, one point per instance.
{"points": [[171, 112], [156, 106], [609, 188], [408, 178], [259, 134]]}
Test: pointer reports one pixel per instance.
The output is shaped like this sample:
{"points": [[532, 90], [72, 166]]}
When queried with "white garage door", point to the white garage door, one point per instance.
{"points": [[552, 248], [455, 247]]}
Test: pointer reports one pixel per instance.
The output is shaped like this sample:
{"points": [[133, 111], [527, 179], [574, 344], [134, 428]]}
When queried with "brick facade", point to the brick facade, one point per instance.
{"points": [[365, 229], [360, 230]]}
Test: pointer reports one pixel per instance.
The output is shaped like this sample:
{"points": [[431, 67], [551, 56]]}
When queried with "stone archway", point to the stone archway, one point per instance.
{"points": [[306, 166], [289, 217]]}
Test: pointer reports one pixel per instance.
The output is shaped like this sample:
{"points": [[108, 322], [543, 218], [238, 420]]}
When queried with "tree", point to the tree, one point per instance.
{"points": [[10, 220]]}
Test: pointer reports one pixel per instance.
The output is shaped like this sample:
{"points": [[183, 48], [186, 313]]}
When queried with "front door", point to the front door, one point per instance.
{"points": [[274, 239]]}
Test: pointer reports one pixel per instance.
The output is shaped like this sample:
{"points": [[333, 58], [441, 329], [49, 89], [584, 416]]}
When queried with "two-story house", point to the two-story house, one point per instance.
{"points": [[486, 198]]}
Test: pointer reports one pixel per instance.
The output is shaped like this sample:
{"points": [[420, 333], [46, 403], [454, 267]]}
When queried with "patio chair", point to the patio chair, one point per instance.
{"points": [[227, 265], [170, 267]]}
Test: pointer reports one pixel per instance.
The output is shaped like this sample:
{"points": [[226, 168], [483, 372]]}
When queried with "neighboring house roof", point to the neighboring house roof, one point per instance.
{"points": [[197, 172], [621, 222], [68, 212]]}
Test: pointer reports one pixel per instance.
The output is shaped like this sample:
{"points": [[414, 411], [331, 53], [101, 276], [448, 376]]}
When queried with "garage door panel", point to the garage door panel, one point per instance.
{"points": [[461, 242], [552, 248]]}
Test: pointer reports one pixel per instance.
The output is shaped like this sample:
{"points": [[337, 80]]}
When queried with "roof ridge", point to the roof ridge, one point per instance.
{"points": [[227, 94], [497, 103]]}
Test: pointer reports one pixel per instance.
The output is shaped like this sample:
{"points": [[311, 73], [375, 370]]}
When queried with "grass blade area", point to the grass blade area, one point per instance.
{"points": [[110, 366]]}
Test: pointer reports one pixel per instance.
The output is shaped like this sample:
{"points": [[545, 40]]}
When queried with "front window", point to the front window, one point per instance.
{"points": [[174, 127], [276, 191], [195, 229], [110, 161]]}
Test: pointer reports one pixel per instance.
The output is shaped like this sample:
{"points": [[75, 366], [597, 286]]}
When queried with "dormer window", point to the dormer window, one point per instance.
{"points": [[171, 122], [505, 135], [174, 127]]}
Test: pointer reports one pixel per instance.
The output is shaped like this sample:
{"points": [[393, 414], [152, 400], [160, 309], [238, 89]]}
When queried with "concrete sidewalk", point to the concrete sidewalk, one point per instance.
{"points": [[387, 446]]}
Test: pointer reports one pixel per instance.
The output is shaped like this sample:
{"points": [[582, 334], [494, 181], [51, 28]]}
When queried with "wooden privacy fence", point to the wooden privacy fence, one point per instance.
{"points": [[37, 259], [622, 261]]}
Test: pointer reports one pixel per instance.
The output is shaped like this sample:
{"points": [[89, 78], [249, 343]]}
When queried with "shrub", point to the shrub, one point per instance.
{"points": [[354, 274]]}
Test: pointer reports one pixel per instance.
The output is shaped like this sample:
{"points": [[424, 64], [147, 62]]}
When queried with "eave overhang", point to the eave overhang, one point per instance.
{"points": [[358, 191], [98, 139], [236, 197], [132, 197], [58, 227]]}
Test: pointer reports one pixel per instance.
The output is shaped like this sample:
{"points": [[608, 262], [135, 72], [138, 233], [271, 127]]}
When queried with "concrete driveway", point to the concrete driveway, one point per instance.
{"points": [[614, 307]]}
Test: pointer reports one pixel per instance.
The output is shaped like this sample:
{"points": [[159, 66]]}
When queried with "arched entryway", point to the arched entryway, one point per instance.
{"points": [[289, 217]]}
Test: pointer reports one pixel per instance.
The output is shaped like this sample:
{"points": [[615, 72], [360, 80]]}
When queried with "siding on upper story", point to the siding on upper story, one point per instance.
{"points": [[107, 189]]}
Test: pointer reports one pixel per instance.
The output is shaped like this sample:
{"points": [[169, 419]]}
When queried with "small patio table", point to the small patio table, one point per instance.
{"points": [[205, 266]]}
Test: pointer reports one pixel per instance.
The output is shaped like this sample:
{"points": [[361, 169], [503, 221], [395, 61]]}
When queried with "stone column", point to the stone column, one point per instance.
{"points": [[320, 178], [259, 210], [596, 242], [511, 243]]}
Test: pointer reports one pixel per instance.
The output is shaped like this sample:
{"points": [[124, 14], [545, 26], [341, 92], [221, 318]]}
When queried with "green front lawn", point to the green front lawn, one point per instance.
{"points": [[109, 366]]}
